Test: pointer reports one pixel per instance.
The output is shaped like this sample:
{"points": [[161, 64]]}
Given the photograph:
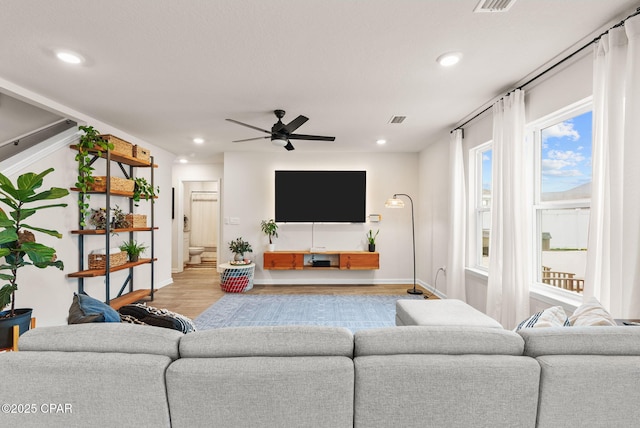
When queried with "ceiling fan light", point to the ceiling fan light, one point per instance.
{"points": [[279, 142]]}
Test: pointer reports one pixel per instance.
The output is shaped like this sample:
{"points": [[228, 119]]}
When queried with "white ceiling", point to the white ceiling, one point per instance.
{"points": [[170, 70]]}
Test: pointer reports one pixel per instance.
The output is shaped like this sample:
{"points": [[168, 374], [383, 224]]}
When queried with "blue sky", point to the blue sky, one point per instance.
{"points": [[566, 155]]}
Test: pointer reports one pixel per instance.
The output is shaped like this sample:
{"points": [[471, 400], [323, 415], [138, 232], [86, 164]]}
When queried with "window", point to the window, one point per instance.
{"points": [[563, 144], [481, 227]]}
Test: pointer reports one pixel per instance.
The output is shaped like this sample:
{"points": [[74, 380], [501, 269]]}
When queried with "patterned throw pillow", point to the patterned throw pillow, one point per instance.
{"points": [[550, 317], [140, 313]]}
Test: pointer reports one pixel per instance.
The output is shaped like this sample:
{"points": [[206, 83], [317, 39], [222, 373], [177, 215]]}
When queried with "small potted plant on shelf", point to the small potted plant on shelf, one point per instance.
{"points": [[270, 228], [143, 190], [18, 243], [371, 238], [133, 249], [98, 218], [90, 142], [238, 247]]}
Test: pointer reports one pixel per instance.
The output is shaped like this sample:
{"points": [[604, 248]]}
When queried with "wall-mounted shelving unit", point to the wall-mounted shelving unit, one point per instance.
{"points": [[126, 165]]}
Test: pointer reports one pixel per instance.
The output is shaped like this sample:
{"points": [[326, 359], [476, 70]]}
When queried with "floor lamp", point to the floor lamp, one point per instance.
{"points": [[395, 202]]}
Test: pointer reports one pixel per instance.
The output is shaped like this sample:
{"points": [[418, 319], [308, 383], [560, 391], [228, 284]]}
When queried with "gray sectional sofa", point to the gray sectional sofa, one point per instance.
{"points": [[118, 375]]}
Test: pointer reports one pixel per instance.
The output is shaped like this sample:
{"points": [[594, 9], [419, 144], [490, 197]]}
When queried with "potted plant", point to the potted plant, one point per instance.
{"points": [[270, 228], [143, 189], [98, 218], [372, 240], [238, 247], [18, 244], [89, 142], [133, 249]]}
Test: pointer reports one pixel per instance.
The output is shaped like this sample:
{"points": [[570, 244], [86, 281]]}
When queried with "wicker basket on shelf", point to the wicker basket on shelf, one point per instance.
{"points": [[141, 153], [120, 146], [99, 261], [117, 184], [136, 220]]}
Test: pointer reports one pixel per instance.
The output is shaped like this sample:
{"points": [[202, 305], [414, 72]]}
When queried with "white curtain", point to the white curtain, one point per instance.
{"points": [[613, 258], [203, 217], [456, 288], [510, 240]]}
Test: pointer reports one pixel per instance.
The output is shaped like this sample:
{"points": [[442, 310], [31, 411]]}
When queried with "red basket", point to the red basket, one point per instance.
{"points": [[235, 284]]}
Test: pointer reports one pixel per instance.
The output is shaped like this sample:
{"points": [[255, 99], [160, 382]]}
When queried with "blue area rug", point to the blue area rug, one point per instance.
{"points": [[352, 312]]}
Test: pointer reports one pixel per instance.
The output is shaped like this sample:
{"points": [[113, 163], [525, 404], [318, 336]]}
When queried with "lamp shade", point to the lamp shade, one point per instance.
{"points": [[394, 203]]}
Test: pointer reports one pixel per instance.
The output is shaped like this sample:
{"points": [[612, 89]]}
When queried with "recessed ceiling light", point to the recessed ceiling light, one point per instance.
{"points": [[198, 140], [183, 160], [450, 58], [69, 57], [381, 142]]}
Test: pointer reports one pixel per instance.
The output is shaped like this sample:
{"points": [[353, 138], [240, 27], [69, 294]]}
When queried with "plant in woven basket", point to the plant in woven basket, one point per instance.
{"points": [[133, 249], [18, 244], [143, 189], [90, 142]]}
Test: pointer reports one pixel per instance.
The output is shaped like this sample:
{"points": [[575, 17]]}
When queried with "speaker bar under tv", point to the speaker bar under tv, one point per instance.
{"points": [[320, 196]]}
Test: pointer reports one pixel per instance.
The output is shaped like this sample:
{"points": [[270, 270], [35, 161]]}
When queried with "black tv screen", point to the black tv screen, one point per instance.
{"points": [[321, 196]]}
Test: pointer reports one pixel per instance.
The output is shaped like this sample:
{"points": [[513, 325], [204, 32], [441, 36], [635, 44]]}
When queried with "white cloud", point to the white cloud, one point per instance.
{"points": [[567, 155], [563, 172], [561, 130]]}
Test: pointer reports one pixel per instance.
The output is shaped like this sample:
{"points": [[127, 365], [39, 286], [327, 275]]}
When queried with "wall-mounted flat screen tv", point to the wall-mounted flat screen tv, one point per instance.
{"points": [[321, 196]]}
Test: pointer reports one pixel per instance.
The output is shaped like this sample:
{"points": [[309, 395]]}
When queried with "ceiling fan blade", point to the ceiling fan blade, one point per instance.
{"points": [[250, 139], [289, 146], [249, 126], [310, 137], [294, 124]]}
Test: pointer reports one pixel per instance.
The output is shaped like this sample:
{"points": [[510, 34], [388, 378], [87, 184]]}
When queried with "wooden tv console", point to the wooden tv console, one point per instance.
{"points": [[299, 260]]}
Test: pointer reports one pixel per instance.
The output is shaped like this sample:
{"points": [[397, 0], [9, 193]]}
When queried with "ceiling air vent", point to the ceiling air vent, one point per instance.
{"points": [[494, 5], [397, 119]]}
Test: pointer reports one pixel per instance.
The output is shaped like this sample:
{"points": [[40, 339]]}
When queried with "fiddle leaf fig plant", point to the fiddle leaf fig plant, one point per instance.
{"points": [[90, 143], [18, 243]]}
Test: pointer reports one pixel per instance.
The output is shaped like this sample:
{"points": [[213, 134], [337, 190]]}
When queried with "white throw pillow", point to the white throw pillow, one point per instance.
{"points": [[550, 317], [591, 313]]}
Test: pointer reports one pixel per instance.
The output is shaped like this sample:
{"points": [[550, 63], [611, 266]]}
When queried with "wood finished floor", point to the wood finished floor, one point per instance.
{"points": [[194, 290]]}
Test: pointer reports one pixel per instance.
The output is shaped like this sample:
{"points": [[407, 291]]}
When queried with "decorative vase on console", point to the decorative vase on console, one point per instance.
{"points": [[238, 257]]}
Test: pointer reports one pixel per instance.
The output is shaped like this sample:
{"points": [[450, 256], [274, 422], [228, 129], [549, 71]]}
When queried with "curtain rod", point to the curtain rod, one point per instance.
{"points": [[542, 73]]}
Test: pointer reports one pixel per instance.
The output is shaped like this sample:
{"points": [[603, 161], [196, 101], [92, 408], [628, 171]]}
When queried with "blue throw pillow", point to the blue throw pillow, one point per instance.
{"points": [[90, 306]]}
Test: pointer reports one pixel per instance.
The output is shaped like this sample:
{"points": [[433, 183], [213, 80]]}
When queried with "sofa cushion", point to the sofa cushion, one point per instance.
{"points": [[453, 340], [140, 313], [88, 389], [276, 341], [103, 338], [620, 340], [550, 317], [296, 391], [591, 313], [85, 308]]}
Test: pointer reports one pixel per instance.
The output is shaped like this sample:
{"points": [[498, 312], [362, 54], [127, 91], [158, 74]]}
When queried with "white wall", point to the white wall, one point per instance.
{"points": [[248, 194], [48, 291]]}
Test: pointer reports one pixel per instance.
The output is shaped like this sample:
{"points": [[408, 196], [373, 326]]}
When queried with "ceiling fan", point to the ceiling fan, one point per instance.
{"points": [[280, 133]]}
